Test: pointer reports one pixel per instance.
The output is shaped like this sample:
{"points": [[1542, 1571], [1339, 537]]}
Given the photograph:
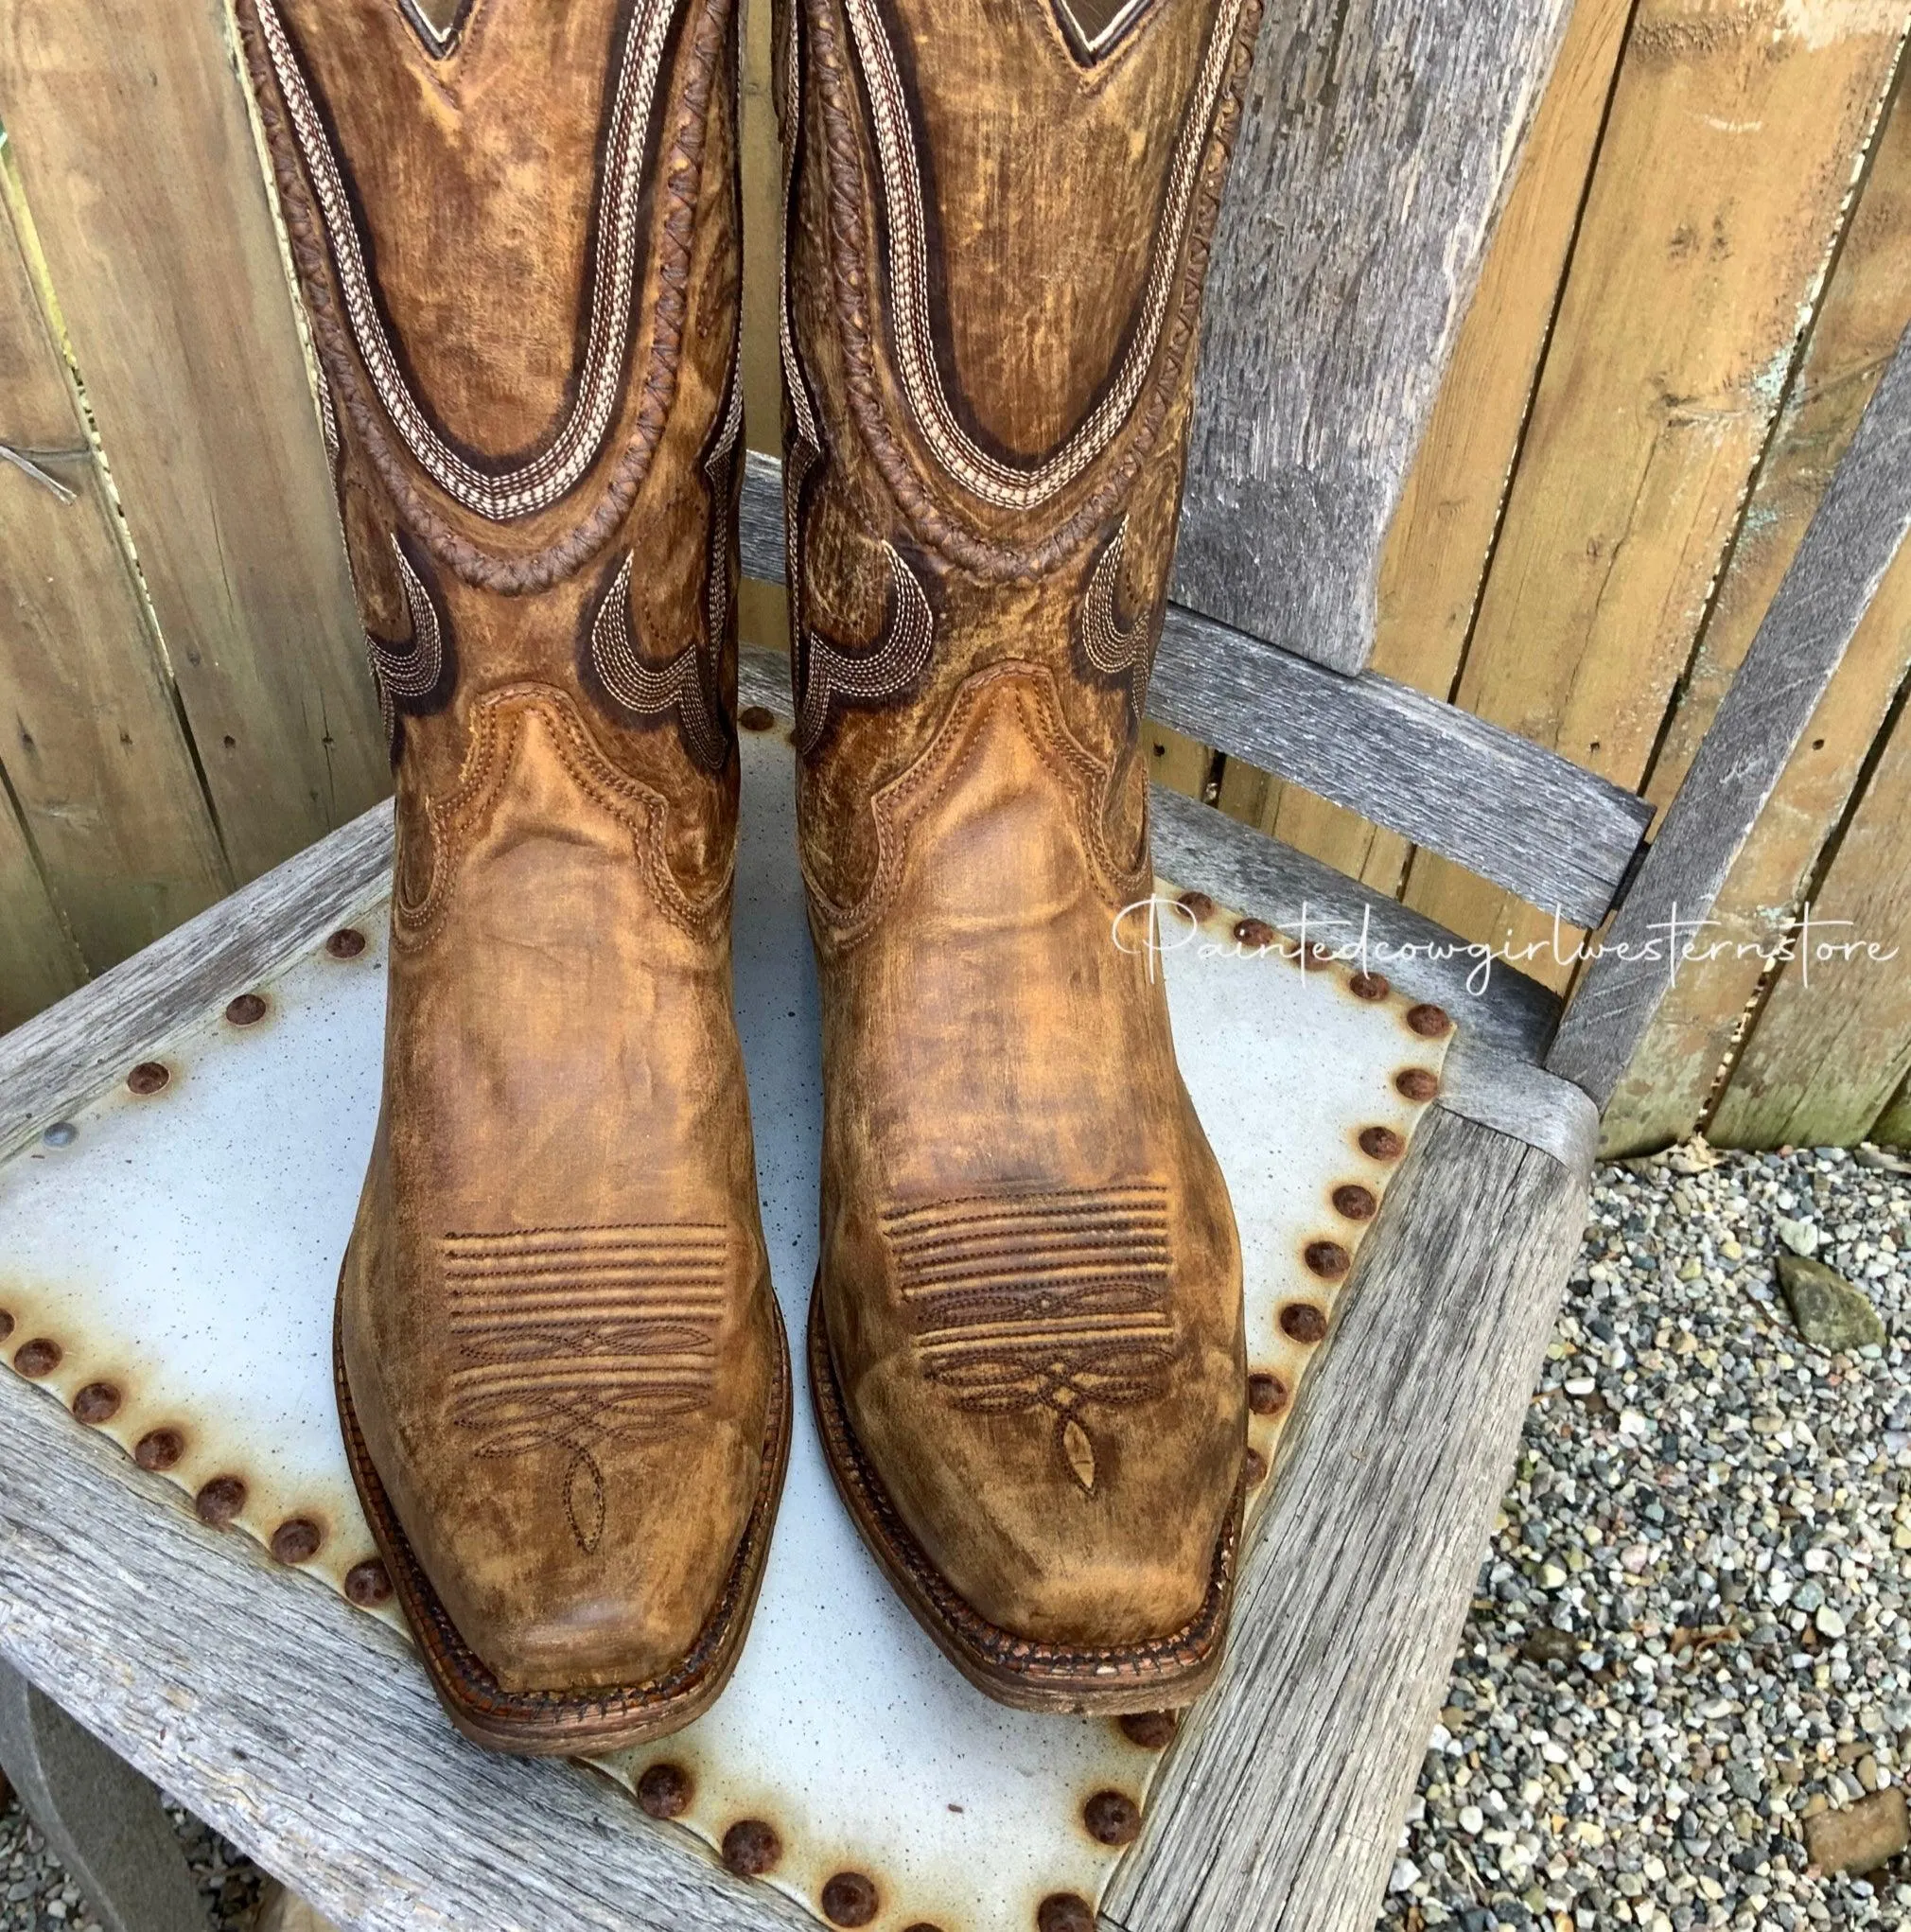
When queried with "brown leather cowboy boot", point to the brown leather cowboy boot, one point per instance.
{"points": [[1027, 1337], [562, 1377]]}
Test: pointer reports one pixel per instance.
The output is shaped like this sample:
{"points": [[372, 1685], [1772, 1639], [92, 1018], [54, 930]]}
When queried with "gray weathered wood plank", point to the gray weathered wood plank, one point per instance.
{"points": [[1515, 811], [1847, 549], [1377, 140], [1558, 835], [73, 1048], [1280, 1807]]}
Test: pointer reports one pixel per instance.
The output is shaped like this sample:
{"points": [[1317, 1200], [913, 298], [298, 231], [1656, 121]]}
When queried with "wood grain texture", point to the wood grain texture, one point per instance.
{"points": [[1551, 832], [92, 750], [1866, 307], [1435, 556], [1729, 157], [137, 156], [1280, 1805], [304, 1729], [1845, 552], [1549, 829], [38, 962], [1834, 1039], [1377, 140], [80, 1044]]}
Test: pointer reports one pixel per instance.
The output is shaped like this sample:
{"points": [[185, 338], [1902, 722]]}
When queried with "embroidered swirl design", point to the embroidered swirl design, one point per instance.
{"points": [[408, 674], [1052, 1302], [572, 1338]]}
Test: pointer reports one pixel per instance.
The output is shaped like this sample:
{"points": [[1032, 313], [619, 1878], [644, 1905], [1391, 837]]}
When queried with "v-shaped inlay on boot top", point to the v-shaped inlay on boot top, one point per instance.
{"points": [[561, 1371], [1026, 1340]]}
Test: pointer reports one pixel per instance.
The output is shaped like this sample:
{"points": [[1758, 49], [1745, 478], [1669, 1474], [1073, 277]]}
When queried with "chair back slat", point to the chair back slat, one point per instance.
{"points": [[1847, 549], [1377, 140]]}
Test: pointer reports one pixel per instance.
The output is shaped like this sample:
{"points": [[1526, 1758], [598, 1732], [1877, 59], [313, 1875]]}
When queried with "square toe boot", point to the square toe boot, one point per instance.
{"points": [[561, 1374], [1026, 1339]]}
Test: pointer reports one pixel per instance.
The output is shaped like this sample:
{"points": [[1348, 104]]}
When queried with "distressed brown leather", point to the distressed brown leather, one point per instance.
{"points": [[1027, 1346], [515, 228]]}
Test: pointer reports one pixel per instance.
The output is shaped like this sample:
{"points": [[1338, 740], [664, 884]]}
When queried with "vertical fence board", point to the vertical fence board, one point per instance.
{"points": [[1728, 155], [1866, 310], [1835, 1038], [1436, 549], [37, 961], [137, 156], [1376, 148], [92, 747]]}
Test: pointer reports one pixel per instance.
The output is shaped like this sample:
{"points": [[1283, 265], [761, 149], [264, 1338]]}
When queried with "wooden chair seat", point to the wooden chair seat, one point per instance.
{"points": [[178, 1247]]}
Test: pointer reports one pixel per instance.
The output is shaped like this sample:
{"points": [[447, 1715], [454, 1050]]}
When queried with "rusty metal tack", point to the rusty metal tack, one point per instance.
{"points": [[368, 1585], [297, 1540], [36, 1357], [1064, 1911], [1368, 984], [1260, 935], [1429, 1022], [751, 1848], [1113, 1817], [248, 1010], [1302, 1322], [1255, 1469], [756, 717], [158, 1450], [346, 943], [149, 1077], [1154, 1731], [95, 1403], [1267, 1394], [665, 1790], [1382, 1144], [1327, 1259], [1198, 906], [1355, 1201], [1417, 1084], [850, 1898], [5, 1325], [219, 1501]]}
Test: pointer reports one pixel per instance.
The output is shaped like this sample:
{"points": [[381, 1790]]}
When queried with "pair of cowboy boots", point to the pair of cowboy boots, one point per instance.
{"points": [[563, 1378]]}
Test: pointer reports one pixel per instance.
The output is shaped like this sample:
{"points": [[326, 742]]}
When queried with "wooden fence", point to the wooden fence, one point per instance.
{"points": [[1703, 260]]}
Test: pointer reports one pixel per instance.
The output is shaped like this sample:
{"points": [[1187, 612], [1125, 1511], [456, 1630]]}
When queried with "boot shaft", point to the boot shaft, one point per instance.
{"points": [[998, 227], [516, 230]]}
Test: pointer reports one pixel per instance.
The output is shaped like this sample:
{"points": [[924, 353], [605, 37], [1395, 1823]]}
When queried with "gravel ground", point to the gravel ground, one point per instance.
{"points": [[1690, 1635], [36, 1895]]}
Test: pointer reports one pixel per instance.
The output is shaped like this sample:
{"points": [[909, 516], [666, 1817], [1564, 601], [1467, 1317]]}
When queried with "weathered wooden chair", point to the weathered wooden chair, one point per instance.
{"points": [[166, 1237]]}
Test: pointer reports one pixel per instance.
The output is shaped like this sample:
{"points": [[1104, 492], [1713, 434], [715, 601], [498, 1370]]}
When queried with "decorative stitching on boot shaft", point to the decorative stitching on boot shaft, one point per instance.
{"points": [[1054, 1301], [896, 807], [498, 719], [1146, 399], [312, 236], [572, 1337]]}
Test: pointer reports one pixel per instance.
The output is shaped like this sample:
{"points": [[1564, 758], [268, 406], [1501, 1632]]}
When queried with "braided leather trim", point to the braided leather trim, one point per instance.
{"points": [[1140, 426]]}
